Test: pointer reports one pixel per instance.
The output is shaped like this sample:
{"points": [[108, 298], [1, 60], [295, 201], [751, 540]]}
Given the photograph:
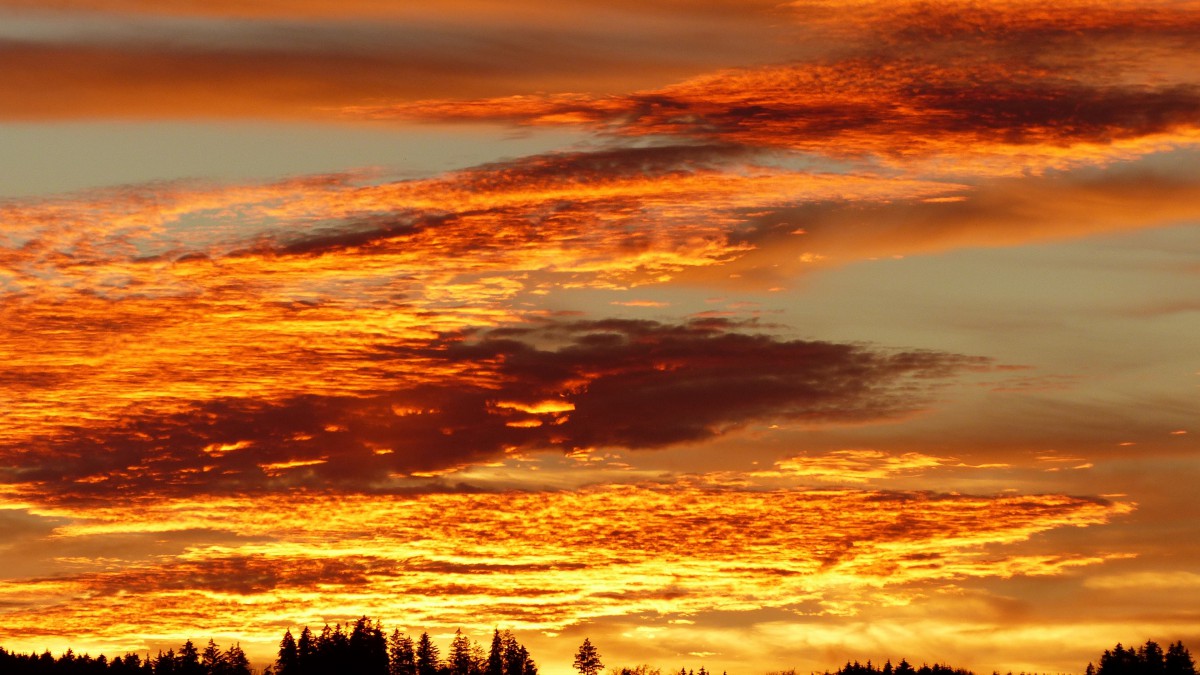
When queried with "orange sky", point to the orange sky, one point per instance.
{"points": [[748, 335]]}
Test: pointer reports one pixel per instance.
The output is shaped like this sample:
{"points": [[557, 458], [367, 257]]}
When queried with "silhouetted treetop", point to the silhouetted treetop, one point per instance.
{"points": [[1149, 659]]}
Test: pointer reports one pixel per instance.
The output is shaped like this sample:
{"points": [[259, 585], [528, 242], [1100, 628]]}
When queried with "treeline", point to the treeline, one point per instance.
{"points": [[1149, 659], [902, 668], [365, 651], [362, 648], [187, 661]]}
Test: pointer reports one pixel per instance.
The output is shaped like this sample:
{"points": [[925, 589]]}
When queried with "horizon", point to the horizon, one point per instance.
{"points": [[640, 668]]}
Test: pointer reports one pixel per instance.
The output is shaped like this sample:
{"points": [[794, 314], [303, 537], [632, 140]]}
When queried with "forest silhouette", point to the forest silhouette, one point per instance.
{"points": [[364, 648]]}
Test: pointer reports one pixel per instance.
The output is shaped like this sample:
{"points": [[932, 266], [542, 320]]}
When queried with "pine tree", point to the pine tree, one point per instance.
{"points": [[495, 659], [1150, 659], [459, 659], [514, 655], [381, 663], [1178, 661], [236, 662], [402, 659], [528, 667], [164, 664], [366, 649], [306, 653], [587, 659], [187, 661], [427, 656], [289, 656], [341, 646], [326, 660], [210, 659]]}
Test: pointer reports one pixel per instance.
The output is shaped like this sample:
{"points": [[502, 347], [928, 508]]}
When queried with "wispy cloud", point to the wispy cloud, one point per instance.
{"points": [[539, 560], [1005, 91], [137, 314]]}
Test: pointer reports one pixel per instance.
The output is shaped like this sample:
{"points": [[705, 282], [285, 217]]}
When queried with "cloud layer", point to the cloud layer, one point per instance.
{"points": [[533, 561], [247, 406], [462, 399]]}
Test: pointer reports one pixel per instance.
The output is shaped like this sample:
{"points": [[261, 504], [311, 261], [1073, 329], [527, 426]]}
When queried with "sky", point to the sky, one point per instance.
{"points": [[739, 334]]}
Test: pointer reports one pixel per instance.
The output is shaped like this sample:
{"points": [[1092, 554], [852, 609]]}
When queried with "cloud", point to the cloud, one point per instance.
{"points": [[534, 560], [451, 9], [300, 302], [1175, 581], [971, 118], [956, 88], [470, 398], [19, 525], [853, 466], [303, 61], [998, 212]]}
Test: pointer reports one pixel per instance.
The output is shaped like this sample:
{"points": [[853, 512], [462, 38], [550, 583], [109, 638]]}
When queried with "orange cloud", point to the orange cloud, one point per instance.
{"points": [[517, 559], [532, 10], [958, 88], [304, 60], [969, 119], [998, 212], [631, 384], [853, 466], [311, 298]]}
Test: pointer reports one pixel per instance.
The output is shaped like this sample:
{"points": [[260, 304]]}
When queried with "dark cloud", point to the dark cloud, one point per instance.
{"points": [[554, 385], [241, 574], [569, 175], [910, 80], [886, 104]]}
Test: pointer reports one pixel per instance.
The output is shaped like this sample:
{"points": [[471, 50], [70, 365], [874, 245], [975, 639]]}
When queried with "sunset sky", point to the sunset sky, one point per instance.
{"points": [[727, 333]]}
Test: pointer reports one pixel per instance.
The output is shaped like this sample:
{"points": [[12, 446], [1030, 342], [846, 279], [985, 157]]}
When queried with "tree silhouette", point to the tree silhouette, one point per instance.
{"points": [[1178, 661], [211, 659], [459, 660], [516, 658], [288, 662], [1149, 659], [236, 662], [306, 653], [187, 661], [402, 658], [644, 669], [587, 659], [495, 659], [164, 664], [367, 649], [427, 656], [362, 649]]}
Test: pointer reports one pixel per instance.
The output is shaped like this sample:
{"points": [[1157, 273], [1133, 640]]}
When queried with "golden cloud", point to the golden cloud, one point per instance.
{"points": [[531, 560]]}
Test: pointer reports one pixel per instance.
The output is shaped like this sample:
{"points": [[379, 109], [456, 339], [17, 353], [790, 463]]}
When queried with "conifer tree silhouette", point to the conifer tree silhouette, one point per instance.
{"points": [[428, 656], [587, 659], [289, 656], [401, 656]]}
